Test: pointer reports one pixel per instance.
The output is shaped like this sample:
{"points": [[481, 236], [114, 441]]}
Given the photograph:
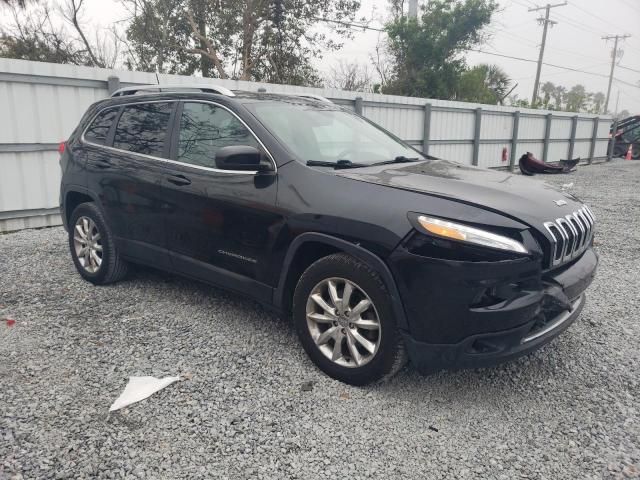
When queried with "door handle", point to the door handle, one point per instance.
{"points": [[102, 164], [179, 180]]}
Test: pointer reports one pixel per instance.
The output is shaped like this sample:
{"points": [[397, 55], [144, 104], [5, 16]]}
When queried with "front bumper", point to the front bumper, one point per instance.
{"points": [[448, 331]]}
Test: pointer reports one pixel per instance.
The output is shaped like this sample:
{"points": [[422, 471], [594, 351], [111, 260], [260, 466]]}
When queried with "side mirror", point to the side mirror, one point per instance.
{"points": [[239, 157]]}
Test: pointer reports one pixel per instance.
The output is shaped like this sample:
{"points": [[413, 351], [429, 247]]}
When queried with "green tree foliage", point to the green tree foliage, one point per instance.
{"points": [[427, 55], [484, 83], [557, 97], [155, 37], [262, 40]]}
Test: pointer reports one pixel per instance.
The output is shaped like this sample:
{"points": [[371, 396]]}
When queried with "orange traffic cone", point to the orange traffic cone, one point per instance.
{"points": [[629, 151]]}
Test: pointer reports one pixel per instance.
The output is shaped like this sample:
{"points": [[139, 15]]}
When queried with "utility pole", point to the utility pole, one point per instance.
{"points": [[614, 55], [545, 22]]}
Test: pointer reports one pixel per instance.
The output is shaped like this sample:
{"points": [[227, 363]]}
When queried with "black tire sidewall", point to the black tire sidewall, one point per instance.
{"points": [[91, 211], [351, 269]]}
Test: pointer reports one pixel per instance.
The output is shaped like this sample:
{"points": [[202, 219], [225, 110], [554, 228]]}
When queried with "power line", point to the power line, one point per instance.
{"points": [[627, 68], [583, 10], [348, 24], [602, 75]]}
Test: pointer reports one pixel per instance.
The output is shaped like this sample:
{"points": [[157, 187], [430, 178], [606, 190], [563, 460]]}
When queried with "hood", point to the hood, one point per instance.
{"points": [[518, 197]]}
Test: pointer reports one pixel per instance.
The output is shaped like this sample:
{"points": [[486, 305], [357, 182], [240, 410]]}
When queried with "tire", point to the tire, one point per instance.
{"points": [[87, 217], [375, 326]]}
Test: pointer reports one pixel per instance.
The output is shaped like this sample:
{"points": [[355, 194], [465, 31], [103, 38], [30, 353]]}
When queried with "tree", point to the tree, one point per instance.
{"points": [[36, 37], [262, 40], [559, 96], [266, 40], [597, 101], [350, 76], [548, 89], [483, 84], [577, 99], [427, 54], [155, 37], [19, 3], [36, 34]]}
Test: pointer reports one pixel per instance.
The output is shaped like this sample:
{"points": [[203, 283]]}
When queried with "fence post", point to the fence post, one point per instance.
{"points": [[594, 138], [476, 137], [572, 140], [612, 140], [113, 84], [426, 133], [358, 105], [514, 140], [547, 136]]}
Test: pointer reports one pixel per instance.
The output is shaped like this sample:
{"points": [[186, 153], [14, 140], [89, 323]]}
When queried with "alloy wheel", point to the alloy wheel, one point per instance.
{"points": [[343, 322], [87, 243]]}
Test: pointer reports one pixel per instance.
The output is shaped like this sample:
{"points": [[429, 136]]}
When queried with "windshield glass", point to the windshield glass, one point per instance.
{"points": [[319, 133]]}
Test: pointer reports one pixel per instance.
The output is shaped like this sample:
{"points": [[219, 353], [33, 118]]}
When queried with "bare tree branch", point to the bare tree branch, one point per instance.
{"points": [[211, 52], [71, 15]]}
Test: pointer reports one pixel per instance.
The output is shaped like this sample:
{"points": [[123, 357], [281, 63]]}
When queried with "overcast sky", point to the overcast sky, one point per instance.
{"points": [[574, 42]]}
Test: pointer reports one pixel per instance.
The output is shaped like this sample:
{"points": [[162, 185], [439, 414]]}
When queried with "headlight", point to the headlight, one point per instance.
{"points": [[456, 231]]}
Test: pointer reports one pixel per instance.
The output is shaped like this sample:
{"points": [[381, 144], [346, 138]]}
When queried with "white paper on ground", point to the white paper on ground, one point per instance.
{"points": [[140, 388]]}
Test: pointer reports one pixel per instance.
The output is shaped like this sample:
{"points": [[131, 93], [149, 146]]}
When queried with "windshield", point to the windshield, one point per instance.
{"points": [[318, 133]]}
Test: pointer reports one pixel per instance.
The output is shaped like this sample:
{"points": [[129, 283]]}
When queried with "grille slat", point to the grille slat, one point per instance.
{"points": [[571, 235]]}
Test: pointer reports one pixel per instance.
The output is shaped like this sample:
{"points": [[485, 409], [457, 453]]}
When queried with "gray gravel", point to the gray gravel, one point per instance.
{"points": [[255, 407]]}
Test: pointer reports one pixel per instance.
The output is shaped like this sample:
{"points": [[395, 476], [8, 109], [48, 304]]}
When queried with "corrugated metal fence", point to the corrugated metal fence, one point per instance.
{"points": [[41, 103]]}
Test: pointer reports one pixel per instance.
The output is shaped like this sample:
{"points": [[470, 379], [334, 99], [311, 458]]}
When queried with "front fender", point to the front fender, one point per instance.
{"points": [[352, 249]]}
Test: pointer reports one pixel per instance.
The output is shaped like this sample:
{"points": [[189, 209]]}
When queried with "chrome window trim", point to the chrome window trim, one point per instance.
{"points": [[175, 162]]}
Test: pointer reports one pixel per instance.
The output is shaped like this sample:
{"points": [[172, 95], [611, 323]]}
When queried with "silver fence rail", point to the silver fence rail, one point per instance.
{"points": [[41, 104]]}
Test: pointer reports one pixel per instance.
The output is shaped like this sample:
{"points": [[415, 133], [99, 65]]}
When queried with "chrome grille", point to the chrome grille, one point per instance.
{"points": [[571, 234]]}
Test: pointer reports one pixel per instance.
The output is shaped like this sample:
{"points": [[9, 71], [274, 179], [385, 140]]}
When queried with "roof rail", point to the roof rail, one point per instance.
{"points": [[314, 96], [172, 88], [303, 95]]}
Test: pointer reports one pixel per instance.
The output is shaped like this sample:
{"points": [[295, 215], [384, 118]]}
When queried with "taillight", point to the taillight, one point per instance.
{"points": [[61, 147]]}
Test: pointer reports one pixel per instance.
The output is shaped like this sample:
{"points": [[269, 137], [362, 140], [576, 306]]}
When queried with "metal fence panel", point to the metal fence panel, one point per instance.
{"points": [[41, 103]]}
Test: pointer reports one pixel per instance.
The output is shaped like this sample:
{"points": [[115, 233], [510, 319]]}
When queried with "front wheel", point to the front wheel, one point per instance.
{"points": [[92, 246], [345, 322]]}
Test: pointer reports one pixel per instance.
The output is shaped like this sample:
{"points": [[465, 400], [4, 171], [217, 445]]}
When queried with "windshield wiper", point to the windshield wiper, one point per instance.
{"points": [[398, 159], [337, 165]]}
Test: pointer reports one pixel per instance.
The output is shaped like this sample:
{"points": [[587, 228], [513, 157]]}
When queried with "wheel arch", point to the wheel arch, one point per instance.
{"points": [[73, 197], [309, 247]]}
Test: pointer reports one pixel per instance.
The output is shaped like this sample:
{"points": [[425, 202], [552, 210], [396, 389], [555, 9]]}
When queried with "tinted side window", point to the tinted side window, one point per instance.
{"points": [[99, 128], [143, 128], [205, 128]]}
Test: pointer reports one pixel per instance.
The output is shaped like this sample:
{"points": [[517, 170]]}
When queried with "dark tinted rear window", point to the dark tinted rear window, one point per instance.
{"points": [[143, 128], [99, 128]]}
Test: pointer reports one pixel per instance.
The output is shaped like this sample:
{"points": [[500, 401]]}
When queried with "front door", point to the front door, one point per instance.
{"points": [[220, 224]]}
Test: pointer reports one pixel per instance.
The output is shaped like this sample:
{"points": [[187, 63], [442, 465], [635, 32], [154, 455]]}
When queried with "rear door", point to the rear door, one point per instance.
{"points": [[219, 222], [127, 172]]}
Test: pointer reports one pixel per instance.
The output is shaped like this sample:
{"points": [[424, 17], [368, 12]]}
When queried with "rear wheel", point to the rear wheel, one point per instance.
{"points": [[345, 321], [92, 246]]}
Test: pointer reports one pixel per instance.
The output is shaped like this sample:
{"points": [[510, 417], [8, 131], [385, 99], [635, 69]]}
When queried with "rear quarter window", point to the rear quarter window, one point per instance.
{"points": [[99, 128], [142, 128]]}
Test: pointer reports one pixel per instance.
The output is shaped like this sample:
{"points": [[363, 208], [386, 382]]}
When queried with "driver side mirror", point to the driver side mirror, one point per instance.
{"points": [[239, 157]]}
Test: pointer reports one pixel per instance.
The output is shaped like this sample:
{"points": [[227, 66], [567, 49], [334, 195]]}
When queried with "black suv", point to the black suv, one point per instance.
{"points": [[376, 251]]}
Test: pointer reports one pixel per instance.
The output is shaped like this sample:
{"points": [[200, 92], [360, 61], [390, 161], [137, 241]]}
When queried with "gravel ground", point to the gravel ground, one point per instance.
{"points": [[253, 406]]}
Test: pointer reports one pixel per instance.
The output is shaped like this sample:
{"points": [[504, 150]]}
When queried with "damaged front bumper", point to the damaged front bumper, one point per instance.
{"points": [[475, 314]]}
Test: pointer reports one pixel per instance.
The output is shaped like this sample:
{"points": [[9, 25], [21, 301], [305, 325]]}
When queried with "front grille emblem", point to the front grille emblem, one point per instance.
{"points": [[560, 202]]}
